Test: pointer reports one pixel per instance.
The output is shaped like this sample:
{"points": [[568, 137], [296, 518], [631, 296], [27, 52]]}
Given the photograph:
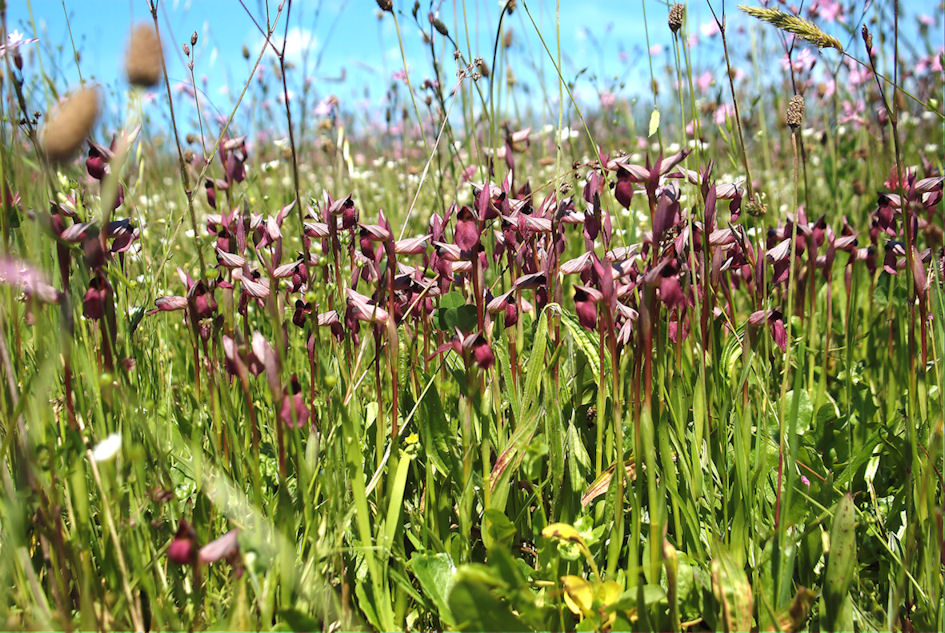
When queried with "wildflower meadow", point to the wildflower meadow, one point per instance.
{"points": [[535, 326]]}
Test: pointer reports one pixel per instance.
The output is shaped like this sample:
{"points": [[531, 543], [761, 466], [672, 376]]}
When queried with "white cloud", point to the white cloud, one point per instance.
{"points": [[298, 42]]}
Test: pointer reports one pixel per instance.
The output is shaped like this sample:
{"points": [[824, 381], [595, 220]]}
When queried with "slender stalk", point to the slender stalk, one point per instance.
{"points": [[184, 175]]}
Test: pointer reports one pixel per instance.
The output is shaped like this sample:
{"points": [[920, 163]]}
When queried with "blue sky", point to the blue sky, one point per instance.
{"points": [[339, 38]]}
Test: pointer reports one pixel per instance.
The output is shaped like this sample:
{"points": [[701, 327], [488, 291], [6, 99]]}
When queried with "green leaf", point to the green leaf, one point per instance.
{"points": [[585, 341], [841, 564], [510, 458], [476, 609], [297, 621], [804, 408], [436, 573], [396, 498], [628, 600], [732, 591], [452, 300], [579, 462], [536, 365], [498, 528], [466, 319]]}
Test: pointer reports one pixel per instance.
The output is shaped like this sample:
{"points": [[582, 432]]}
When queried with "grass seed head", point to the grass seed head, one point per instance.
{"points": [[795, 111], [143, 60], [793, 24], [69, 124], [676, 14]]}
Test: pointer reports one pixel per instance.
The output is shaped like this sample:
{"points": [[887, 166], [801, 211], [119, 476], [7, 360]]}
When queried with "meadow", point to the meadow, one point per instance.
{"points": [[495, 357]]}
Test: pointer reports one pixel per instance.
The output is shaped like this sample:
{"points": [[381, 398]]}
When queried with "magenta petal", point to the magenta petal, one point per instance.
{"points": [[779, 334], [223, 547]]}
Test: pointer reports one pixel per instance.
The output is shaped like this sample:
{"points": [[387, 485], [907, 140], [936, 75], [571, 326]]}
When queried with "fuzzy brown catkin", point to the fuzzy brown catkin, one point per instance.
{"points": [[143, 60], [68, 125]]}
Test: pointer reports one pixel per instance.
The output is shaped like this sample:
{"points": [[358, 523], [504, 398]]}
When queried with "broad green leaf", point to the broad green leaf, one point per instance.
{"points": [[805, 411], [296, 621], [436, 573], [585, 341], [396, 498], [498, 529], [514, 452], [579, 462], [476, 609], [841, 565], [536, 365], [452, 300], [732, 591]]}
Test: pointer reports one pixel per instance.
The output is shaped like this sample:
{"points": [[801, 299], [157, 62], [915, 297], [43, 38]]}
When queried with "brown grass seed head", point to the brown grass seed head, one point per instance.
{"points": [[143, 61], [676, 14], [68, 125], [795, 111]]}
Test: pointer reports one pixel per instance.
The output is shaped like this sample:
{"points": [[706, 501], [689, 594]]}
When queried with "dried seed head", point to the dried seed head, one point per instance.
{"points": [[868, 40], [483, 66], [507, 38], [245, 52], [756, 208], [676, 14], [193, 39], [386, 5], [69, 124], [795, 111], [900, 100], [438, 25], [143, 60]]}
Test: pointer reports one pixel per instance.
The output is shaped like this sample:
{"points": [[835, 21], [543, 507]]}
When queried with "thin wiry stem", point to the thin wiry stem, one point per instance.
{"points": [[184, 176]]}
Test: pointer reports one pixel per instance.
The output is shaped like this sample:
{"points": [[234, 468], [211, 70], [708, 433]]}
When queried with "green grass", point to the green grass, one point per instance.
{"points": [[765, 489]]}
